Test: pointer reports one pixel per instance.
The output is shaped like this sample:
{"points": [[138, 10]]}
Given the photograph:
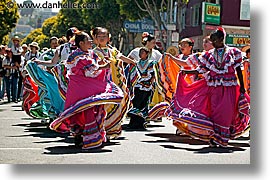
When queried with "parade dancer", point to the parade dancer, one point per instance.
{"points": [[216, 108], [59, 59], [88, 94], [30, 88], [246, 68], [186, 47], [149, 41], [186, 60], [115, 113], [141, 81], [50, 103]]}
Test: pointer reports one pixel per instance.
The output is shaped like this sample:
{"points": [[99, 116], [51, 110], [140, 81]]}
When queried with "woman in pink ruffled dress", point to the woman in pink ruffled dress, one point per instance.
{"points": [[216, 108], [87, 94]]}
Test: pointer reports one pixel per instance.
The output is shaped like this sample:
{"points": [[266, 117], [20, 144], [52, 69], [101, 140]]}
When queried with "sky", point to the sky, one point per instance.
{"points": [[42, 1]]}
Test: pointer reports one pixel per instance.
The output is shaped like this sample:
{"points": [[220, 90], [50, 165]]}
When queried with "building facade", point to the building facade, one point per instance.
{"points": [[203, 16]]}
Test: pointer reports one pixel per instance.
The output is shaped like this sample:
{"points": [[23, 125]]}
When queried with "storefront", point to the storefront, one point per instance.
{"points": [[237, 36]]}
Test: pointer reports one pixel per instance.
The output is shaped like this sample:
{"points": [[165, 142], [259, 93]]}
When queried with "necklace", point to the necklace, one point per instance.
{"points": [[219, 56], [105, 51], [142, 65]]}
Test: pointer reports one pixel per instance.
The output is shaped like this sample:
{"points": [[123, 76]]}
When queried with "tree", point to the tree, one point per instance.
{"points": [[8, 18], [36, 35], [131, 10], [69, 17], [107, 15], [155, 9], [138, 9], [48, 25]]}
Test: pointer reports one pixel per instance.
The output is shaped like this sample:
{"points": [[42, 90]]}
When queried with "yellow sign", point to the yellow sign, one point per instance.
{"points": [[241, 40], [213, 10], [237, 40]]}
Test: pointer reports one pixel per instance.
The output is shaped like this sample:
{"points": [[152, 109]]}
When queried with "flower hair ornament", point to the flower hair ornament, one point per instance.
{"points": [[74, 30], [222, 30], [145, 36]]}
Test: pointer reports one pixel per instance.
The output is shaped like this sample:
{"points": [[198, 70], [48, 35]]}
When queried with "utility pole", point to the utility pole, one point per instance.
{"points": [[171, 26], [169, 20]]}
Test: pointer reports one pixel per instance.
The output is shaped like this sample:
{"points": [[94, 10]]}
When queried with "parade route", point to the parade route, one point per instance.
{"points": [[25, 140]]}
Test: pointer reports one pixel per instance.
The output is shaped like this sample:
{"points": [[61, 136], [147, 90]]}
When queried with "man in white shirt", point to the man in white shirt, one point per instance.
{"points": [[16, 49]]}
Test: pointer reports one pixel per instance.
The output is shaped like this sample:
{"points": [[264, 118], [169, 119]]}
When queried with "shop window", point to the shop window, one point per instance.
{"points": [[195, 15], [213, 1]]}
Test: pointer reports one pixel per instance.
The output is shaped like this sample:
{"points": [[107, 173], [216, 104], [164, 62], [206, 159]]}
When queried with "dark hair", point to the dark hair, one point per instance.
{"points": [[217, 33], [70, 32], [147, 37], [94, 31], [62, 40], [188, 40], [101, 30], [247, 51], [8, 50], [144, 49], [53, 38], [80, 37]]}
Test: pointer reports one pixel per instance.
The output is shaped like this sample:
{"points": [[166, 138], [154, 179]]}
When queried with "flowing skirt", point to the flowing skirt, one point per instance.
{"points": [[84, 112], [139, 111], [205, 112], [50, 99], [30, 95]]}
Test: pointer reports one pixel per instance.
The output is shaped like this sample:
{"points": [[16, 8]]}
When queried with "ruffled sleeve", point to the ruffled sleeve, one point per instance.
{"points": [[237, 56]]}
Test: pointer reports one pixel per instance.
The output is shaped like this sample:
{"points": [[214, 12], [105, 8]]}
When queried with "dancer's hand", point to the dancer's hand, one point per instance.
{"points": [[242, 90], [35, 60]]}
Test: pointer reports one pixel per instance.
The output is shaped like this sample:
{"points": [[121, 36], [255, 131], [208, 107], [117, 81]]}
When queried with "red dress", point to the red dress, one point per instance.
{"points": [[87, 94], [212, 108]]}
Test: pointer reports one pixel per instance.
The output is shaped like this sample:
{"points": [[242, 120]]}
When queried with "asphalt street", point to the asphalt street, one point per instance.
{"points": [[24, 140]]}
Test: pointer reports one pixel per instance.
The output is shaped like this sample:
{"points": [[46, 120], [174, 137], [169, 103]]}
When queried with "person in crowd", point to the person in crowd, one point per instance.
{"points": [[141, 85], [16, 49], [2, 72], [84, 113], [11, 68], [61, 55], [34, 51], [207, 44], [246, 68], [25, 49], [50, 103], [215, 108], [149, 41]]}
